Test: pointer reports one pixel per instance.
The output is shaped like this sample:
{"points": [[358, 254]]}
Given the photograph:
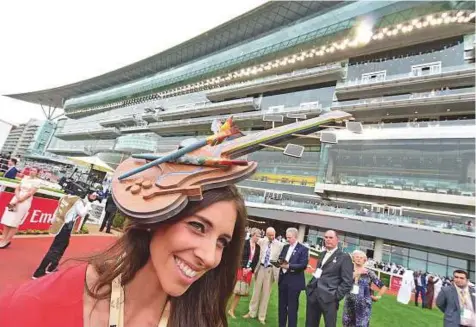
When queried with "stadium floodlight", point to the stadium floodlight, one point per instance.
{"points": [[294, 150], [354, 127], [328, 137]]}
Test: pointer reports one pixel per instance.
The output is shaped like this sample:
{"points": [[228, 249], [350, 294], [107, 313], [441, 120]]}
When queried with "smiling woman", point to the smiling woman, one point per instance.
{"points": [[174, 265], [189, 261], [180, 272]]}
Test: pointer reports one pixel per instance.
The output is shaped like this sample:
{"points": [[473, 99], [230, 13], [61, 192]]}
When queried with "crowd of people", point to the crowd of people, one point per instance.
{"points": [[338, 275], [358, 297]]}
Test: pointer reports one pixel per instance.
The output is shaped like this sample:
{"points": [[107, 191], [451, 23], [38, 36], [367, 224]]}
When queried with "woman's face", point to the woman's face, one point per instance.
{"points": [[256, 236], [33, 172], [359, 259], [183, 252]]}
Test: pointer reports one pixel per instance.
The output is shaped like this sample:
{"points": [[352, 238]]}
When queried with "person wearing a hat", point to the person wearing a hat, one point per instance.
{"points": [[174, 265]]}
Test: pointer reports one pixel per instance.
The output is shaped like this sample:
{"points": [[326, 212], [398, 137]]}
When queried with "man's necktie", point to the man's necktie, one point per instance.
{"points": [[267, 255]]}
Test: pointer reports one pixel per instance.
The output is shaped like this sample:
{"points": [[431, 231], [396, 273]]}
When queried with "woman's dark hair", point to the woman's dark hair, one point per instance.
{"points": [[204, 303]]}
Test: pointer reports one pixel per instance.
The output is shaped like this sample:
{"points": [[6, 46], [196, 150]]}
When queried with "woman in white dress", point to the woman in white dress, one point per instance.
{"points": [[17, 209]]}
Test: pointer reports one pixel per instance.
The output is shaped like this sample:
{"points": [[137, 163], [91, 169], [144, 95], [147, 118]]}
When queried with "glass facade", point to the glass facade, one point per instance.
{"points": [[444, 166], [145, 142], [41, 138], [275, 167], [293, 99], [347, 242], [302, 203], [425, 261], [448, 53]]}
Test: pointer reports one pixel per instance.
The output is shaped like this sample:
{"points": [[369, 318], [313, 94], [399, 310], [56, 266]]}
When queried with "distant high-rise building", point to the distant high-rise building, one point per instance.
{"points": [[5, 128], [29, 138]]}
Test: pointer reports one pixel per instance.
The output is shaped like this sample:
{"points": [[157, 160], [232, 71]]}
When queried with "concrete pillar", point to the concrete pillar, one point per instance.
{"points": [[378, 249], [301, 233]]}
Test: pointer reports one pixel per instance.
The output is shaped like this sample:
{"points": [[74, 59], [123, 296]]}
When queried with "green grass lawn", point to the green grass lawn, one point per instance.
{"points": [[386, 312]]}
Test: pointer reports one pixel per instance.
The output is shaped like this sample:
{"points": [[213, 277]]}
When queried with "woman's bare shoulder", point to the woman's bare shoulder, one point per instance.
{"points": [[95, 312]]}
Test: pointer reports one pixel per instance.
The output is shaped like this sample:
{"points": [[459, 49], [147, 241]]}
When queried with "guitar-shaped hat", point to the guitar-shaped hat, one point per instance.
{"points": [[151, 188]]}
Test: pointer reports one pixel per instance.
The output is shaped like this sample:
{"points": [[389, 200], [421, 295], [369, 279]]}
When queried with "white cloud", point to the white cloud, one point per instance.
{"points": [[51, 43]]}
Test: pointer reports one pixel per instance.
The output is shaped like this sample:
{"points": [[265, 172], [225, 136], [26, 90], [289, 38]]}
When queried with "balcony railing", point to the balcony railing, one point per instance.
{"points": [[89, 131], [423, 124], [236, 117], [407, 184], [69, 150], [135, 129], [207, 107], [136, 116], [312, 207], [434, 95], [302, 73], [445, 71]]}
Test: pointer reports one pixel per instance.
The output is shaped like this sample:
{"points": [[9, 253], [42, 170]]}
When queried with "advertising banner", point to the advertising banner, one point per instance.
{"points": [[39, 216], [395, 283]]}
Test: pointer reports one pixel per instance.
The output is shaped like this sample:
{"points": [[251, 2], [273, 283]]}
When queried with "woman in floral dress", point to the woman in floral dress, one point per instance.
{"points": [[358, 303]]}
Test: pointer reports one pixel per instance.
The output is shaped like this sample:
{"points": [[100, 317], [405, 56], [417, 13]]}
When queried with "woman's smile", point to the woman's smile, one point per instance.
{"points": [[185, 269]]}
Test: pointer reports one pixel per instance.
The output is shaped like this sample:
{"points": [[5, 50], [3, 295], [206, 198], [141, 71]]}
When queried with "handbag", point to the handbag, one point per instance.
{"points": [[242, 288]]}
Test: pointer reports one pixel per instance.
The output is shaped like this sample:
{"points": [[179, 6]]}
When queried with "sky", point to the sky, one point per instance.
{"points": [[49, 43]]}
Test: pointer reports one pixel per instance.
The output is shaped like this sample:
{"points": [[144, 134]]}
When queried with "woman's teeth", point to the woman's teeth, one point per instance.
{"points": [[187, 271]]}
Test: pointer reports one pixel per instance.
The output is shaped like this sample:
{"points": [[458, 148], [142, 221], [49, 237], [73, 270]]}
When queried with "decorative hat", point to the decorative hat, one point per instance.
{"points": [[152, 188]]}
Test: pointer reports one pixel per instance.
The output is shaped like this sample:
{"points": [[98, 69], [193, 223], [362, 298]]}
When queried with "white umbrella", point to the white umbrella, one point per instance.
{"points": [[97, 163]]}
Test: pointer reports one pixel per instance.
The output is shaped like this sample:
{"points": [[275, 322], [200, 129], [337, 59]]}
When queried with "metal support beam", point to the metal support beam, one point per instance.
{"points": [[43, 109], [50, 115]]}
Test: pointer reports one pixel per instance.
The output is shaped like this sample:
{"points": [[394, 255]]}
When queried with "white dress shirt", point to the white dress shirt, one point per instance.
{"points": [[290, 251], [328, 255], [80, 208], [289, 254]]}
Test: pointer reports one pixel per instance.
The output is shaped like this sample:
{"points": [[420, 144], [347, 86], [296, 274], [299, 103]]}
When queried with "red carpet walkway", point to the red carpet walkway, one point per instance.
{"points": [[19, 261]]}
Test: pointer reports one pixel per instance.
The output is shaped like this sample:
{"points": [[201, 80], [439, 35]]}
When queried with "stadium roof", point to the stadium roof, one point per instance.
{"points": [[263, 19]]}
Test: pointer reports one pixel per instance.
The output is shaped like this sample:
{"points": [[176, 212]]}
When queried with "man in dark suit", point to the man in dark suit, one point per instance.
{"points": [[456, 301], [294, 259], [331, 281], [420, 288], [110, 212], [12, 170]]}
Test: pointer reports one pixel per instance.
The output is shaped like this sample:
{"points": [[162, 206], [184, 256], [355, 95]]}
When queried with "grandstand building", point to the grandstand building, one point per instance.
{"points": [[404, 189]]}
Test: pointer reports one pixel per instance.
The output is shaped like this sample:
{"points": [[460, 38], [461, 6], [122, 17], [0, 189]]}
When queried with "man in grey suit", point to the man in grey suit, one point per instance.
{"points": [[456, 301], [331, 281]]}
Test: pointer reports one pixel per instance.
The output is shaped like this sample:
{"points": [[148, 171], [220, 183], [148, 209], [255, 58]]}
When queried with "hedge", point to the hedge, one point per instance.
{"points": [[118, 221], [41, 188]]}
